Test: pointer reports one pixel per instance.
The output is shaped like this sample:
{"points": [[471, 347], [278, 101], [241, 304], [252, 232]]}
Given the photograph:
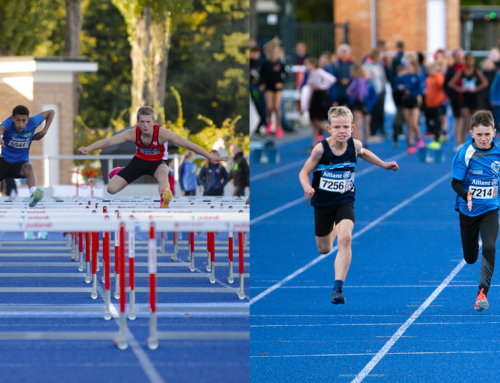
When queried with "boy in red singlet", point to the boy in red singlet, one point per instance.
{"points": [[151, 154]]}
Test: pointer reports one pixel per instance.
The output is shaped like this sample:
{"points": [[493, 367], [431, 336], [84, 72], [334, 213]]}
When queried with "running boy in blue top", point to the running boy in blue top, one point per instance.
{"points": [[475, 172], [18, 132], [332, 163]]}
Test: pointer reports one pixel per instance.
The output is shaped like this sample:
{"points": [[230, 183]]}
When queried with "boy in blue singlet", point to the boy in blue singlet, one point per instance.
{"points": [[475, 172], [18, 132], [332, 163]]}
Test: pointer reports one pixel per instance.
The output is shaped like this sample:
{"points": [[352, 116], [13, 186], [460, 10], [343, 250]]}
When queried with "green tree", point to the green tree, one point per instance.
{"points": [[150, 24], [27, 27], [105, 93], [209, 64]]}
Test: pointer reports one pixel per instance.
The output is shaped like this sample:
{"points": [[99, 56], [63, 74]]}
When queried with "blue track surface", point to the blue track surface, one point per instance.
{"points": [[297, 335], [100, 361]]}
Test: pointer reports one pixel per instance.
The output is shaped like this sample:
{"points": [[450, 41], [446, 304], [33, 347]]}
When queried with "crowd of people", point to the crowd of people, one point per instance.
{"points": [[424, 91]]}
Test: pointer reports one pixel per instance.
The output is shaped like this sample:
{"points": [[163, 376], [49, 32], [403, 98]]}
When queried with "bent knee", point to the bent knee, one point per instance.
{"points": [[111, 190], [27, 167], [324, 249], [489, 248]]}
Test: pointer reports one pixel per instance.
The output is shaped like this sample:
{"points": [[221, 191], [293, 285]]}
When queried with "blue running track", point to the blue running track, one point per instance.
{"points": [[100, 361], [409, 297]]}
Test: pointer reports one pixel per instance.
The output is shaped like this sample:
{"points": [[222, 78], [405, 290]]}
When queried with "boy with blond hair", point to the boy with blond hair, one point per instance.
{"points": [[151, 154], [332, 191]]}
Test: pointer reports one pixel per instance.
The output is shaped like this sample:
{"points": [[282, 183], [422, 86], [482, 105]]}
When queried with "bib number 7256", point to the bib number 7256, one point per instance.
{"points": [[332, 185]]}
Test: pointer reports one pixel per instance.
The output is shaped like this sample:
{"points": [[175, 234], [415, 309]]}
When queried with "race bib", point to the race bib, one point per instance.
{"points": [[484, 192], [19, 144], [336, 182]]}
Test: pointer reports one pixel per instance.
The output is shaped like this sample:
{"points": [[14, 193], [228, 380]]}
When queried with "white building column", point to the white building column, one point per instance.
{"points": [[436, 27], [51, 147]]}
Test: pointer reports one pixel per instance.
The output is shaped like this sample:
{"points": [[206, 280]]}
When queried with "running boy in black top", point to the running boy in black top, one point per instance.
{"points": [[332, 162]]}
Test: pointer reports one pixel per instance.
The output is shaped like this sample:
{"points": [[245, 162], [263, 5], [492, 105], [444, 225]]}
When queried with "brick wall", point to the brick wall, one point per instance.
{"points": [[62, 94], [396, 20]]}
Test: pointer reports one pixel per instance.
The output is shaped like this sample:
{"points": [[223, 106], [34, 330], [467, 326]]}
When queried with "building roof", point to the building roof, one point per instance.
{"points": [[20, 64]]}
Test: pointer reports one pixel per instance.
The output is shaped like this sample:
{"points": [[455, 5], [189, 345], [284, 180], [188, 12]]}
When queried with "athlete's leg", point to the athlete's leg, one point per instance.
{"points": [[409, 126], [366, 127], [469, 230], [343, 259], [358, 116], [28, 172], [489, 233], [161, 175], [416, 122], [269, 97], [116, 184], [465, 112], [325, 244], [277, 105]]}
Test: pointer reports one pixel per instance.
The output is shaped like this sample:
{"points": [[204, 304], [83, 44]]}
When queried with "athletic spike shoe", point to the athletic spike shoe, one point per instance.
{"points": [[420, 144], [114, 171], [279, 132], [269, 128], [412, 150], [165, 198], [434, 145], [36, 197], [481, 302], [337, 298]]}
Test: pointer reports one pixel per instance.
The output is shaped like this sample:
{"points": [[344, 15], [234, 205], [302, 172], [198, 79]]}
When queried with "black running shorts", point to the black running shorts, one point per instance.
{"points": [[8, 170], [409, 102], [325, 217], [139, 167]]}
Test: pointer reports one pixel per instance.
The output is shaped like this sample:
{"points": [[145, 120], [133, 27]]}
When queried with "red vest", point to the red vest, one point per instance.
{"points": [[153, 152]]}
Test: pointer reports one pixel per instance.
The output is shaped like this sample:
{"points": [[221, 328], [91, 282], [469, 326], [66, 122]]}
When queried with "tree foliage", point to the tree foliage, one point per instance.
{"points": [[209, 63], [30, 26]]}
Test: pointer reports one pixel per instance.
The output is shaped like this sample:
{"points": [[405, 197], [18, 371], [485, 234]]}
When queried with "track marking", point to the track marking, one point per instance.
{"points": [[372, 353], [368, 324], [371, 365], [145, 362], [277, 170], [357, 234], [367, 287], [302, 199]]}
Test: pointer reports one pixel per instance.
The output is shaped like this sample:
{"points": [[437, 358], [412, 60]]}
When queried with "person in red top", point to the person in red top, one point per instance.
{"points": [[150, 156]]}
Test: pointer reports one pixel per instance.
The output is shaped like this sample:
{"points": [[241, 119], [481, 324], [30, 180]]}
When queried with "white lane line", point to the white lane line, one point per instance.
{"points": [[366, 287], [302, 199], [357, 234], [371, 365], [145, 362], [375, 315], [371, 353], [277, 170], [369, 324]]}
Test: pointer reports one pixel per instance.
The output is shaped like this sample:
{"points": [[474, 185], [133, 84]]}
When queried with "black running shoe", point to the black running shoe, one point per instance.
{"points": [[337, 298]]}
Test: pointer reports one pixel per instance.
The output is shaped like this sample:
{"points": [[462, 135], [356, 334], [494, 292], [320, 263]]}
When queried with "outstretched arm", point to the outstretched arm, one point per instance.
{"points": [[128, 135], [2, 131], [167, 135], [370, 157], [48, 116], [308, 168]]}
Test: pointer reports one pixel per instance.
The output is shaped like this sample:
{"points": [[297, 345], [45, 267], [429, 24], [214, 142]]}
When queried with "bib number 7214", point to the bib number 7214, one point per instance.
{"points": [[484, 192]]}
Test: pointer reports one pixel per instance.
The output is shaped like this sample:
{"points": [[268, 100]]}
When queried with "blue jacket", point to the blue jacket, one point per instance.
{"points": [[187, 176], [411, 82], [214, 179], [495, 90], [370, 99], [341, 69]]}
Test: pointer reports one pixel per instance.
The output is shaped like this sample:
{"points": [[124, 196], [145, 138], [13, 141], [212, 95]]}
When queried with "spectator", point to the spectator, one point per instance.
{"points": [[495, 99], [489, 71], [187, 174], [494, 55], [324, 62], [319, 82], [359, 91], [434, 98], [378, 79], [256, 95], [213, 177], [411, 84], [442, 67], [399, 59], [468, 82], [341, 69], [456, 97], [397, 95], [301, 52], [272, 77], [239, 171]]}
